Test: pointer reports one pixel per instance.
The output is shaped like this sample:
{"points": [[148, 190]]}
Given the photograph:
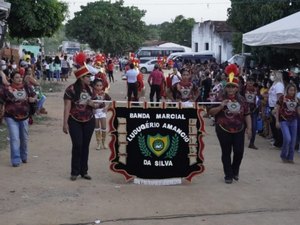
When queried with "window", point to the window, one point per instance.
{"points": [[206, 46], [144, 53], [196, 47]]}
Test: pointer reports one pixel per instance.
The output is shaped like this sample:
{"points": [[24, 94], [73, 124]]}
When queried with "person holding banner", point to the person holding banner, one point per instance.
{"points": [[100, 112], [78, 119], [232, 118]]}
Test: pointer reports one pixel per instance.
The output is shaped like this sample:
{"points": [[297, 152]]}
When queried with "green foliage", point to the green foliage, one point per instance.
{"points": [[179, 31], [31, 18], [109, 27], [51, 43], [152, 32], [247, 15]]}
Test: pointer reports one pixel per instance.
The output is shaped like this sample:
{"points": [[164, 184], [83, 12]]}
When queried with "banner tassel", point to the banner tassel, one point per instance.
{"points": [[158, 182]]}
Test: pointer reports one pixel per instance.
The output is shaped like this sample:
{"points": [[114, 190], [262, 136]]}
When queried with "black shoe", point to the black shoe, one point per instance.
{"points": [[236, 177], [24, 160], [16, 165], [86, 176], [252, 146], [73, 178], [228, 180]]}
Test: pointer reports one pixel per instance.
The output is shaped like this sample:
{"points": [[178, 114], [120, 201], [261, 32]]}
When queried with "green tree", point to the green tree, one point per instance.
{"points": [[35, 18], [153, 32], [178, 31], [247, 15], [109, 27]]}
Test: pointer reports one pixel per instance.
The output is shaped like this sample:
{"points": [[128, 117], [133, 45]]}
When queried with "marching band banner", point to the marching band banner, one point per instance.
{"points": [[156, 143]]}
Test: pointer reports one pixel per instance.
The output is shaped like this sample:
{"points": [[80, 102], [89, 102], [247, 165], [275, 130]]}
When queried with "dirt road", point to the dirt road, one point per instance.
{"points": [[40, 192]]}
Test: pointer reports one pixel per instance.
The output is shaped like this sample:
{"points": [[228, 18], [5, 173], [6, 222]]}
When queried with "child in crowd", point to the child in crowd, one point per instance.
{"points": [[265, 115], [100, 112]]}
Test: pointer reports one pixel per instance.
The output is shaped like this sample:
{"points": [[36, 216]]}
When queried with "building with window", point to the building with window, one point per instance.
{"points": [[214, 36]]}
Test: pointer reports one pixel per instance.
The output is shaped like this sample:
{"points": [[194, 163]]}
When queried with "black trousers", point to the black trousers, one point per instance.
{"points": [[81, 134], [132, 89], [231, 142], [111, 76], [277, 134], [155, 89]]}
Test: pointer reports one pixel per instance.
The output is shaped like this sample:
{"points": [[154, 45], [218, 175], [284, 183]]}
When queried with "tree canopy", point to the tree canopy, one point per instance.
{"points": [[178, 31], [35, 18], [247, 15], [110, 27]]}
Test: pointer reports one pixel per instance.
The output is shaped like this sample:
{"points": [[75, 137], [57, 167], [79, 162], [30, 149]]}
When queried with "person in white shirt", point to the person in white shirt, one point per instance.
{"points": [[275, 91], [131, 76]]}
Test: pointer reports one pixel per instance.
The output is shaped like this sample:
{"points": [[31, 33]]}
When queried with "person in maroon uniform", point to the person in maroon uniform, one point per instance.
{"points": [[187, 92], [232, 118], [78, 119], [286, 119], [17, 98], [251, 96]]}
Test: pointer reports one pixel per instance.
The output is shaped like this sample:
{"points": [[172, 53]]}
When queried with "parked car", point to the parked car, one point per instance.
{"points": [[148, 66], [244, 60]]}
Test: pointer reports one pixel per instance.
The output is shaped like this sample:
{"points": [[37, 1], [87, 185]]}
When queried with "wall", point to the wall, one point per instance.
{"points": [[203, 33]]}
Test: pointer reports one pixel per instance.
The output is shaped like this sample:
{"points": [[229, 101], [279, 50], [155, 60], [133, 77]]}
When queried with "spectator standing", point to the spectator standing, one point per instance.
{"points": [[65, 67], [275, 91], [132, 86], [110, 70], [156, 80], [57, 68]]}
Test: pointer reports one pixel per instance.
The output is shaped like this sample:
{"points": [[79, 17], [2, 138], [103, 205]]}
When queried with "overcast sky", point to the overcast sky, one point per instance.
{"points": [[159, 11]]}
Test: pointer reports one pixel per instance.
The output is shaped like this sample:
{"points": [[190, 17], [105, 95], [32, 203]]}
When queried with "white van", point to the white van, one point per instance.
{"points": [[203, 53], [154, 52]]}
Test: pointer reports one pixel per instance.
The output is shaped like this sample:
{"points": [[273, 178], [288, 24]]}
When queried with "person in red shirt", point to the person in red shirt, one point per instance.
{"points": [[110, 70], [155, 80]]}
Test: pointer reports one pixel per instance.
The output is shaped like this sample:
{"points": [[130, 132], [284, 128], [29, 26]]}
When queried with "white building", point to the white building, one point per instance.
{"points": [[215, 36]]}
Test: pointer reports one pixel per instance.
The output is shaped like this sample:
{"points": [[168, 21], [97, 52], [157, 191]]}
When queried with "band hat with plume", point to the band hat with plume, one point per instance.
{"points": [[232, 72], [82, 70]]}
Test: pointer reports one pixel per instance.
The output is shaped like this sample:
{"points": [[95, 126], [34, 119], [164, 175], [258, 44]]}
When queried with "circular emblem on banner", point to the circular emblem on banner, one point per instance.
{"points": [[20, 94], [158, 145], [233, 106]]}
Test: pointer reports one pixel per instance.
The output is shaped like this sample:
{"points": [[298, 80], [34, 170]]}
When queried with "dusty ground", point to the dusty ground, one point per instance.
{"points": [[40, 192]]}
